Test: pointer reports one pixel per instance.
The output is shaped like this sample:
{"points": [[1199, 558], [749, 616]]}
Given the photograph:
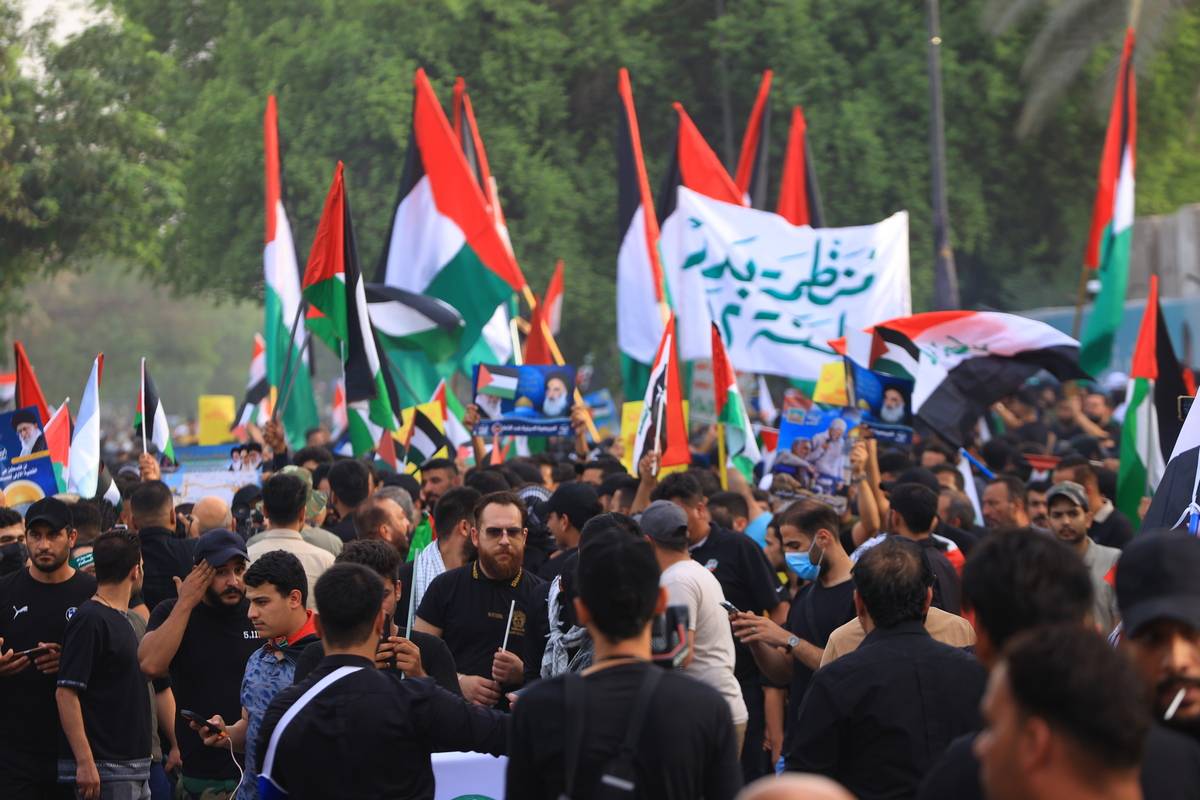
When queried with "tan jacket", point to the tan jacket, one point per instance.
{"points": [[947, 628]]}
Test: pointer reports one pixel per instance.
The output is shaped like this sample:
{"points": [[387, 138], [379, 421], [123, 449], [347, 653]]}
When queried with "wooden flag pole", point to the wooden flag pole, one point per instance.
{"points": [[142, 390], [722, 456]]}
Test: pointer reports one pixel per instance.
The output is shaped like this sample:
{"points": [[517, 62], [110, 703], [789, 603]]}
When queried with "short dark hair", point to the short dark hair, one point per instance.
{"points": [[617, 576], [893, 461], [1070, 677], [1017, 579], [501, 499], [348, 597], [284, 498], [951, 470], [678, 486], [609, 521], [708, 481], [321, 455], [282, 570], [370, 514], [1014, 485], [376, 554], [455, 506], [350, 481], [959, 507], [486, 481], [731, 505], [1041, 487], [86, 520], [115, 553], [149, 499], [916, 504], [440, 463], [810, 517], [9, 517], [606, 464], [893, 579], [528, 472]]}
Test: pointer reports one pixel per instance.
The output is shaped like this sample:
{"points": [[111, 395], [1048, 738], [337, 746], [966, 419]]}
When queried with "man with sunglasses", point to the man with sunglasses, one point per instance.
{"points": [[490, 612]]}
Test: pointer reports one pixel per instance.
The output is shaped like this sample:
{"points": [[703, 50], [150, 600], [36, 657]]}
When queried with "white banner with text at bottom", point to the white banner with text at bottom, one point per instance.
{"points": [[468, 776], [778, 292]]}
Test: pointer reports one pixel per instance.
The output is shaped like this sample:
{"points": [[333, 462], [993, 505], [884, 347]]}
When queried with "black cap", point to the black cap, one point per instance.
{"points": [[575, 500], [50, 510], [664, 521], [1156, 579], [914, 475], [219, 547]]}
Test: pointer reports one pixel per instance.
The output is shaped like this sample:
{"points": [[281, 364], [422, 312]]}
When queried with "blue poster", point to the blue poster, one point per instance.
{"points": [[26, 472], [524, 401], [886, 402], [814, 447]]}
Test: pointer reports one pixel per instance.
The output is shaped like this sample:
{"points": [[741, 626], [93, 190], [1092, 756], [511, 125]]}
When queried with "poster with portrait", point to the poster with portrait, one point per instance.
{"points": [[26, 471], [814, 447], [885, 400], [523, 401]]}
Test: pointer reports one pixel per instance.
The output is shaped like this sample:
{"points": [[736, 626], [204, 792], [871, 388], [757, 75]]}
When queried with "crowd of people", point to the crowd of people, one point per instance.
{"points": [[615, 633]]}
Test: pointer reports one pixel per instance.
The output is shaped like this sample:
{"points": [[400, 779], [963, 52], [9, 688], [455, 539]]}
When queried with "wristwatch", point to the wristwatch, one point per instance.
{"points": [[792, 642]]}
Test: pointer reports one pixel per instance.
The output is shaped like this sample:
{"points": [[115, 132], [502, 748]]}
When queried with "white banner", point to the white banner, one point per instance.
{"points": [[779, 292]]}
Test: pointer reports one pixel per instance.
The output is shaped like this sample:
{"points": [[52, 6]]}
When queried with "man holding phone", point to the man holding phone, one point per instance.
{"points": [[35, 603]]}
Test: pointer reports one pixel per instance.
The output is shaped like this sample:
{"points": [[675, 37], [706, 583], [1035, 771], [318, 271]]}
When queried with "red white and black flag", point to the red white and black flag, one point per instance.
{"points": [[751, 176]]}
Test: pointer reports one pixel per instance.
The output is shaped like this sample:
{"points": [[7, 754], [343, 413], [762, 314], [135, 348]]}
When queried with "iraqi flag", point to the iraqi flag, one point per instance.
{"points": [[967, 360], [1111, 236], [1143, 460], [286, 357], [256, 406], [28, 391], [642, 300], [85, 443], [151, 418], [751, 175], [443, 240], [58, 443], [662, 427], [799, 196], [740, 445], [334, 288]]}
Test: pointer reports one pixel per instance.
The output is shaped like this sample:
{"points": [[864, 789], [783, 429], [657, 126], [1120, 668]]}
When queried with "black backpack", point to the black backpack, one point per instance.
{"points": [[618, 778]]}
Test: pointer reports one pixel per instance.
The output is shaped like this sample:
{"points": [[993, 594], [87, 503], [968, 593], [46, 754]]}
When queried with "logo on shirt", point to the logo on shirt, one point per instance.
{"points": [[19, 611], [711, 565], [70, 613], [518, 623], [250, 634]]}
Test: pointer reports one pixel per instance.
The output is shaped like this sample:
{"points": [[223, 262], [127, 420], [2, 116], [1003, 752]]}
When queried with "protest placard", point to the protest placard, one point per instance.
{"points": [[26, 471], [814, 447], [523, 401]]}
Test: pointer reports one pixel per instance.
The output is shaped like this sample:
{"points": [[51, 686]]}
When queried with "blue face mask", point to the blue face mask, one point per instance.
{"points": [[802, 565]]}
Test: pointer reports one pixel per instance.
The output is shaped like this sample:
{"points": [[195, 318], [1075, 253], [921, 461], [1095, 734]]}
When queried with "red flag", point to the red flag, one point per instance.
{"points": [[538, 347], [798, 201], [751, 175], [699, 168], [554, 299], [29, 393], [58, 442]]}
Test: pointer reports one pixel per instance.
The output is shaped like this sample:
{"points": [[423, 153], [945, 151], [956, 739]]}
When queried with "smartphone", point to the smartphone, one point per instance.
{"points": [[32, 652], [730, 607], [192, 716]]}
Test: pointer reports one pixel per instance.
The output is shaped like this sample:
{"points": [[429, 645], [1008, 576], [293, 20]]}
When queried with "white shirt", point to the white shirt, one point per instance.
{"points": [[690, 584]]}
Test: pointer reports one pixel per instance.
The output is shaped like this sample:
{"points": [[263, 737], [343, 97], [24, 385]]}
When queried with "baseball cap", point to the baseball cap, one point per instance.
{"points": [[315, 503], [50, 510], [576, 501], [1070, 490], [218, 547], [919, 475], [663, 521], [1156, 579]]}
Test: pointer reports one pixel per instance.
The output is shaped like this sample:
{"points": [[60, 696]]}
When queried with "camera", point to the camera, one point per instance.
{"points": [[668, 637]]}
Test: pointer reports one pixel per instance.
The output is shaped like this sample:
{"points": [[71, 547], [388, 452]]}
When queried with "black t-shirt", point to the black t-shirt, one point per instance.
{"points": [[746, 578], [100, 662], [471, 610], [435, 660], [553, 567], [206, 674], [165, 557], [1115, 531], [686, 749], [816, 612], [32, 612]]}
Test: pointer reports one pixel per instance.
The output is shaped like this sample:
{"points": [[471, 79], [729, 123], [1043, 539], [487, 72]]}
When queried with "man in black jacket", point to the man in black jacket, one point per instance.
{"points": [[166, 555], [352, 730]]}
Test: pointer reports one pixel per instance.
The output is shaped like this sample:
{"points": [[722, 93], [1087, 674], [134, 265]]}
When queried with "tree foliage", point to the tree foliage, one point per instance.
{"points": [[542, 75]]}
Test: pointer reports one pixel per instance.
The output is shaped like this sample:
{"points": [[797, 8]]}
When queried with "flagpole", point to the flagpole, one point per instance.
{"points": [[282, 406], [287, 377], [145, 449], [721, 455]]}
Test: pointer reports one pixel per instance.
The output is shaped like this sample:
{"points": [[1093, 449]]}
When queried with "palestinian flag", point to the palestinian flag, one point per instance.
{"points": [[337, 409], [28, 392], [967, 360], [334, 288], [1142, 462], [751, 175], [58, 443], [662, 427], [799, 195], [444, 241], [84, 454], [642, 299], [405, 320], [151, 418], [880, 350], [1111, 235], [466, 130], [740, 444], [256, 407], [497, 381], [285, 354]]}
